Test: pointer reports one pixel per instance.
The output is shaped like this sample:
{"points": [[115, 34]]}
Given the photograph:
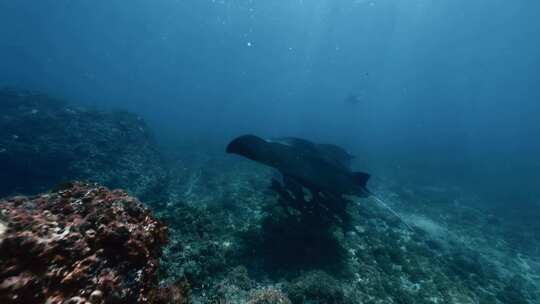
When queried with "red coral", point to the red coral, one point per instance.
{"points": [[81, 244]]}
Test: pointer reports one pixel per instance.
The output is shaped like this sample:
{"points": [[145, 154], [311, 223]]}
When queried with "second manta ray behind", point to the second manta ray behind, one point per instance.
{"points": [[318, 167]]}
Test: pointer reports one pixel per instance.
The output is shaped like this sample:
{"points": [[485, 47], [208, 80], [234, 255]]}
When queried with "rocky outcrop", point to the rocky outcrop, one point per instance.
{"points": [[44, 141], [80, 244]]}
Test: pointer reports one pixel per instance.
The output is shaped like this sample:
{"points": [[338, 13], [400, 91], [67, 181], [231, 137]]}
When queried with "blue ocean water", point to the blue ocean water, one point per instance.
{"points": [[433, 98], [452, 85]]}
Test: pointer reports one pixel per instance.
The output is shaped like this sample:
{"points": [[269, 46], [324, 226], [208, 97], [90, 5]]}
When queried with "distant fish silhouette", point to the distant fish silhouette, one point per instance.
{"points": [[353, 99], [318, 167]]}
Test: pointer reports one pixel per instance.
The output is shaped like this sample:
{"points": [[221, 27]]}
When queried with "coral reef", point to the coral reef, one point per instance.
{"points": [[304, 243], [233, 236], [44, 141], [317, 286], [268, 295], [80, 244], [177, 293], [233, 240]]}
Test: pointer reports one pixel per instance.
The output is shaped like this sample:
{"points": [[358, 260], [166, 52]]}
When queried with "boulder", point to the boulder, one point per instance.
{"points": [[79, 244]]}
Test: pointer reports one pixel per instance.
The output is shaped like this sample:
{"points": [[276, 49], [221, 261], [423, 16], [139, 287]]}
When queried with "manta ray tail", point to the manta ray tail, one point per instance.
{"points": [[386, 206]]}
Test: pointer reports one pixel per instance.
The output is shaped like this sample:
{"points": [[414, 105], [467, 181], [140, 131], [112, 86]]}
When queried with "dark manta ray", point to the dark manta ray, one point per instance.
{"points": [[321, 168], [318, 167]]}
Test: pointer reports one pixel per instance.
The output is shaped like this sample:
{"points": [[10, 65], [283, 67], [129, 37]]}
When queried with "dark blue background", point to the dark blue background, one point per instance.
{"points": [[448, 89]]}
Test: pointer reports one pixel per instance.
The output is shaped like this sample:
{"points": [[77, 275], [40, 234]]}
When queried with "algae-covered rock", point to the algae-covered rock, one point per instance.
{"points": [[45, 141], [317, 287], [80, 244], [268, 295]]}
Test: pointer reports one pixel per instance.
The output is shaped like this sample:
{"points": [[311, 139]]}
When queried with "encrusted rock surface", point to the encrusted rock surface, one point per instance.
{"points": [[44, 141], [80, 244], [234, 244], [231, 241]]}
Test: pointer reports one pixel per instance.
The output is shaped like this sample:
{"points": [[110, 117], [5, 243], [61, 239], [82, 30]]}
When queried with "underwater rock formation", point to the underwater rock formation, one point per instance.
{"points": [[234, 242], [44, 141], [269, 295], [80, 244]]}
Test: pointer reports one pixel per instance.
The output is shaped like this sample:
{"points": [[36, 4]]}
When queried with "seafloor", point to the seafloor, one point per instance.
{"points": [[228, 238], [232, 242]]}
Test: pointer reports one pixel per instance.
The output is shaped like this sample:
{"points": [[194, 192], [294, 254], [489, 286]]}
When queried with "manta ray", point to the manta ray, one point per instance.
{"points": [[321, 168], [324, 169]]}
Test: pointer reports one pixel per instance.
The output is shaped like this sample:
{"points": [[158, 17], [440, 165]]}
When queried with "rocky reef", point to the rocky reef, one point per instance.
{"points": [[80, 244], [45, 141], [233, 241], [231, 237]]}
